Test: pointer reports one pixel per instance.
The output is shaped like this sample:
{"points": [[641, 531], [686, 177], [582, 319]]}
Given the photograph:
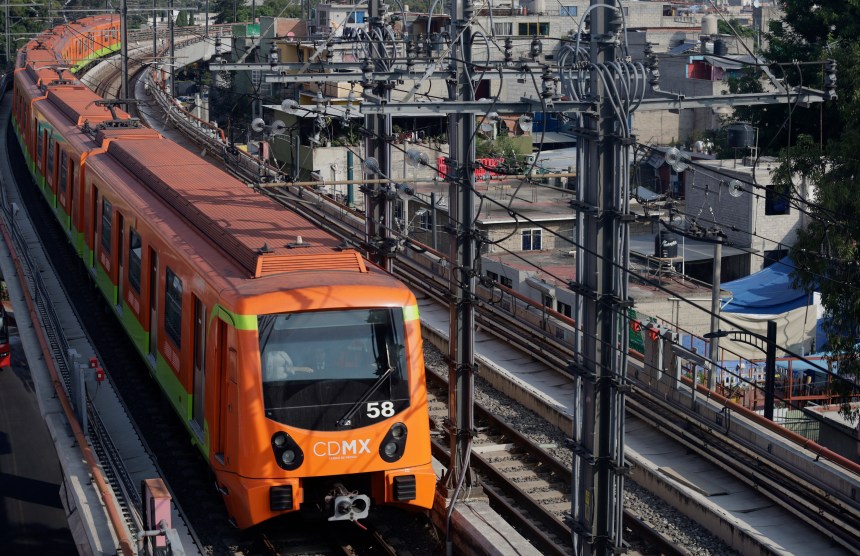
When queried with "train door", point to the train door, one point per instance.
{"points": [[120, 253], [71, 202], [228, 392], [153, 306], [199, 366], [94, 225]]}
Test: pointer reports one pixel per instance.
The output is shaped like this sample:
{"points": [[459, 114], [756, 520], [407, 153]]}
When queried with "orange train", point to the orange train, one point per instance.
{"points": [[296, 364]]}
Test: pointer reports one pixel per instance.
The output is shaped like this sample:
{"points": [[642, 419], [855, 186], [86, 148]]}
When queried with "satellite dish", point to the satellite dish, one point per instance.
{"points": [[371, 165], [258, 124], [278, 127], [672, 156], [290, 106], [680, 166], [416, 158], [525, 123], [736, 189], [675, 159]]}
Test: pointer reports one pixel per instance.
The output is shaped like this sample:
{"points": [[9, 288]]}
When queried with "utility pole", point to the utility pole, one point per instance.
{"points": [[378, 147], [172, 47], [123, 31], [461, 166], [597, 490]]}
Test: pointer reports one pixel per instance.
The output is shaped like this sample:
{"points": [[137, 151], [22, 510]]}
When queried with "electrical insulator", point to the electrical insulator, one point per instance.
{"points": [[536, 47], [367, 74], [830, 78], [509, 50], [410, 56], [420, 50], [274, 56]]}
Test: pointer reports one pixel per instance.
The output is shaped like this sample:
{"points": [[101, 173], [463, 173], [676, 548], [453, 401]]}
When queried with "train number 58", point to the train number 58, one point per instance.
{"points": [[375, 409]]}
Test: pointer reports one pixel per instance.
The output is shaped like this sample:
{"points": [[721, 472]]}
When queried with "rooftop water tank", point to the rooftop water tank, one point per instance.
{"points": [[720, 47], [709, 25]]}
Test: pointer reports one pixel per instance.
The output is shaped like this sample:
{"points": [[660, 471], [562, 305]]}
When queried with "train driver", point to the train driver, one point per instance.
{"points": [[279, 366]]}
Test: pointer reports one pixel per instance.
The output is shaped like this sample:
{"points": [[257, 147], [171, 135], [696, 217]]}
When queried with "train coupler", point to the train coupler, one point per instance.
{"points": [[345, 505]]}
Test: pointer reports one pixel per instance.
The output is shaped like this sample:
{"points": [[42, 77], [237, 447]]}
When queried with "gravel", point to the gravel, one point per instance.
{"points": [[650, 509]]}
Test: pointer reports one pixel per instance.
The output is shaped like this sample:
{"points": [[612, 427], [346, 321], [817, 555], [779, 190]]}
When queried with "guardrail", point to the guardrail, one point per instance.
{"points": [[60, 365]]}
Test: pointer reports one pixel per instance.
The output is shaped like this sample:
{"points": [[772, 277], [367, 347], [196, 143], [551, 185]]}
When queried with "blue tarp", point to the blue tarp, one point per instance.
{"points": [[767, 292]]}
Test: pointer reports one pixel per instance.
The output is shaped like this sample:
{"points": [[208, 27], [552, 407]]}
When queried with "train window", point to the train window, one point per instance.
{"points": [[64, 173], [107, 218], [173, 308], [135, 248], [330, 361], [50, 173], [42, 137]]}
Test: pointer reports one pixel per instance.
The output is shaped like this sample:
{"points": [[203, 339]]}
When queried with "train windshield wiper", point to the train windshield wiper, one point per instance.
{"points": [[346, 420]]}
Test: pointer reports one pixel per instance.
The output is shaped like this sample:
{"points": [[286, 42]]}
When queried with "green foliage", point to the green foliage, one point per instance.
{"points": [[233, 11], [734, 27], [827, 252], [512, 149]]}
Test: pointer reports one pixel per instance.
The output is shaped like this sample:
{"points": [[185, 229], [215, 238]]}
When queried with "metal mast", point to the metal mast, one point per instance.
{"points": [[123, 31], [461, 165], [378, 145], [601, 233]]}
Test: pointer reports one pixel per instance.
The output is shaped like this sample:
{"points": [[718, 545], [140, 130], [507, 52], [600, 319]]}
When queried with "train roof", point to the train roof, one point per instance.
{"points": [[263, 237], [78, 103]]}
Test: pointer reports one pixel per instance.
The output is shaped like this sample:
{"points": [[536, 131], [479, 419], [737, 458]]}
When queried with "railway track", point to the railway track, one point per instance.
{"points": [[546, 340], [180, 463], [526, 483]]}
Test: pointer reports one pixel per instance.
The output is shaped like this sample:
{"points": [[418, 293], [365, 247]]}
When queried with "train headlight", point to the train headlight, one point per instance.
{"points": [[288, 454], [393, 446]]}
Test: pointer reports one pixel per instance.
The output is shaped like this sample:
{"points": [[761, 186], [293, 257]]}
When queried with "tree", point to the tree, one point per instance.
{"points": [[827, 252]]}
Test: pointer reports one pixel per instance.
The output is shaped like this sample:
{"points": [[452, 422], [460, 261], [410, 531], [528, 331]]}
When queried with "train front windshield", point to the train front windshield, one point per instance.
{"points": [[333, 370]]}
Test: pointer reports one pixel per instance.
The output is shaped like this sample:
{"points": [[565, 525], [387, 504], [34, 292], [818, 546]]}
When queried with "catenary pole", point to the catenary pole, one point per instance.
{"points": [[597, 490]]}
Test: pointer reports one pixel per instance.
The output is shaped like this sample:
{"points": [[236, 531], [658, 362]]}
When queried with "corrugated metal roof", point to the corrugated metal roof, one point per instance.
{"points": [[255, 231]]}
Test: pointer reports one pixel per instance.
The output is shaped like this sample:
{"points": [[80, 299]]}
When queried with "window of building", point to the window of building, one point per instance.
{"points": [[775, 203], [135, 248], [531, 240], [355, 17], [570, 10], [534, 28], [548, 301], [565, 309], [107, 217], [504, 28], [173, 307], [492, 276], [506, 282]]}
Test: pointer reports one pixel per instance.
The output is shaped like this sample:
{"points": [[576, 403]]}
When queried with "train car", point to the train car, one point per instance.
{"points": [[5, 346], [296, 365]]}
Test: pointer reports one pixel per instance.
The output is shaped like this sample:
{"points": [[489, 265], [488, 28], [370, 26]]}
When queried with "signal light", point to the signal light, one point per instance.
{"points": [[94, 362], [654, 333], [100, 374], [636, 326]]}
